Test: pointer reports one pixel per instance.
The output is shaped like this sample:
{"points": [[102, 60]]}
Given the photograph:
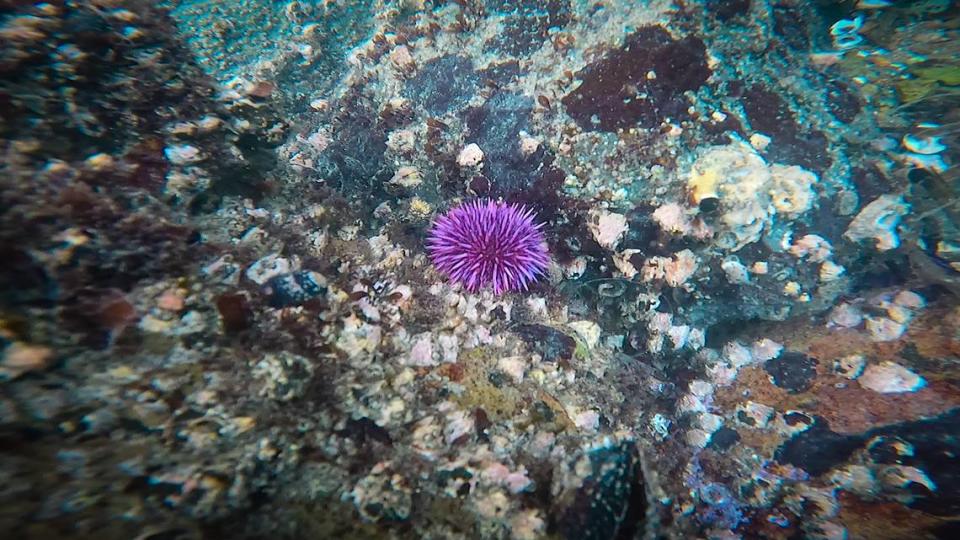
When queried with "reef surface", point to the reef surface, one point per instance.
{"points": [[219, 315]]}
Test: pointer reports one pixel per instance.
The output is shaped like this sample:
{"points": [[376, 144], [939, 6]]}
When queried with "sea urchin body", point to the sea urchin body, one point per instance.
{"points": [[483, 243]]}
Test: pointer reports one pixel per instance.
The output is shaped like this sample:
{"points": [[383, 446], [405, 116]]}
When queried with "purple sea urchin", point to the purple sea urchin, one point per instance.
{"points": [[483, 242]]}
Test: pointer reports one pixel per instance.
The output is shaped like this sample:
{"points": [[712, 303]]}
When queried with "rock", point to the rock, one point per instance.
{"points": [[552, 345], [792, 371]]}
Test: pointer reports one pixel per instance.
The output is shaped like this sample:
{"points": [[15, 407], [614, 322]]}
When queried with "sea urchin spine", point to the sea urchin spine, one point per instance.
{"points": [[484, 242]]}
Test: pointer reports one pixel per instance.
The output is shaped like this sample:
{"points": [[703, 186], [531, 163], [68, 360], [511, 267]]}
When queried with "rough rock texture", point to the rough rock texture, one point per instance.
{"points": [[218, 317], [641, 83]]}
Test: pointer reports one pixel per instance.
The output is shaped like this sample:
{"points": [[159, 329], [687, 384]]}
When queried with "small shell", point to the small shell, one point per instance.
{"points": [[408, 177], [929, 162], [760, 141], [792, 288], [400, 293], [830, 271], [470, 156], [846, 26], [923, 145], [100, 162]]}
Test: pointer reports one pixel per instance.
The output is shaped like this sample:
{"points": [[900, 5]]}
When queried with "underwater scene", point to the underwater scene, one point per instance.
{"points": [[466, 269]]}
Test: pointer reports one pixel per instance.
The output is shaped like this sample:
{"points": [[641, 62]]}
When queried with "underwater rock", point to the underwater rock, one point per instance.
{"points": [[640, 84], [721, 509], [771, 115], [382, 495], [353, 159], [284, 376], [551, 344], [843, 101], [295, 288], [794, 372], [609, 501], [818, 450], [526, 25], [725, 10], [497, 127], [144, 202], [443, 84]]}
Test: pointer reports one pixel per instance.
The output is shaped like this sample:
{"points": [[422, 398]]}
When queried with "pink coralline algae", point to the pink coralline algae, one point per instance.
{"points": [[485, 243]]}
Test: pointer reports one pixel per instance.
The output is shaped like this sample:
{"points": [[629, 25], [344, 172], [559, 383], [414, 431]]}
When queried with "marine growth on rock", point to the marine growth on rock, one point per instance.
{"points": [[479, 269]]}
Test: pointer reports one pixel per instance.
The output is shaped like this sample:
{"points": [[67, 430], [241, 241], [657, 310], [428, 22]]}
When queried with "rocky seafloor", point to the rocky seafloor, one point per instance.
{"points": [[219, 317]]}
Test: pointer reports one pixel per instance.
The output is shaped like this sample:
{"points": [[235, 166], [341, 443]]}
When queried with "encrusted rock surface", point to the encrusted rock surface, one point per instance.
{"points": [[218, 317]]}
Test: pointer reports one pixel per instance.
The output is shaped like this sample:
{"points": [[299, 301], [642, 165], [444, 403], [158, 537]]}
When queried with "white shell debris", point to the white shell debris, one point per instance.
{"points": [[459, 423], [587, 421], [923, 145], [812, 246], [830, 271], [672, 218], [878, 221], [928, 162], [421, 354], [514, 366], [737, 354], [674, 271], [528, 144], [845, 316], [268, 267], [901, 476], [470, 156], [850, 366], [588, 331], [735, 270], [846, 33], [408, 177], [755, 414], [760, 141], [909, 299], [181, 154], [765, 349], [884, 329], [607, 228], [890, 378], [660, 425]]}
